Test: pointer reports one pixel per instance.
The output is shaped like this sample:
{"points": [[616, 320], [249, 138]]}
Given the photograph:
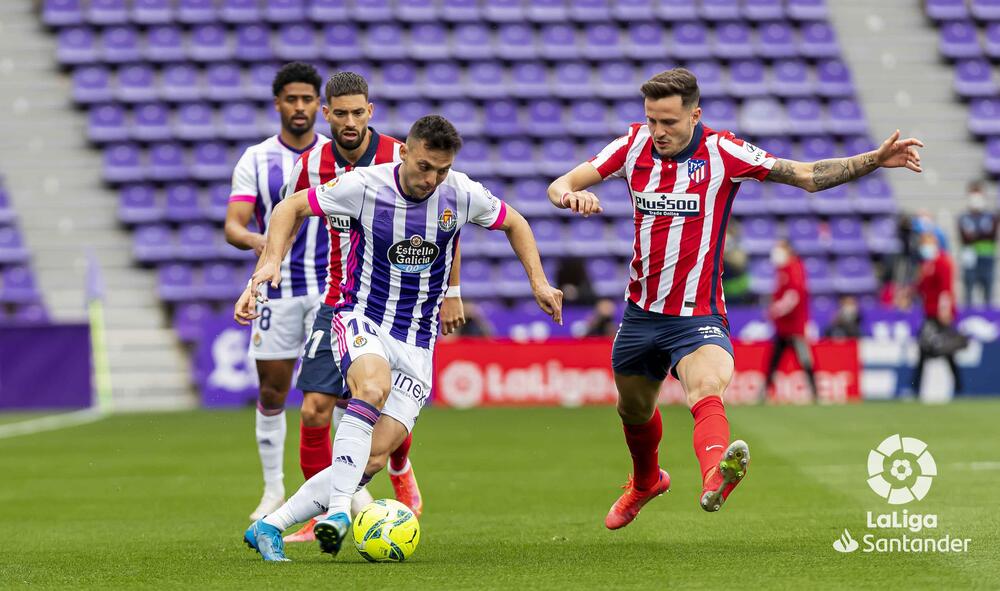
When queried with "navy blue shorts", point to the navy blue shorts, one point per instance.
{"points": [[319, 371], [650, 344]]}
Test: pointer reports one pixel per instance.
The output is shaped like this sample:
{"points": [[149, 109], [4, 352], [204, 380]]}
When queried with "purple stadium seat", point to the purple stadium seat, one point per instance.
{"points": [[589, 119], [804, 234], [328, 11], [545, 119], [296, 42], [164, 44], [588, 237], [759, 234], [626, 113], [477, 276], [442, 80], [883, 236], [720, 10], [122, 164], [151, 122], [677, 10], [504, 11], [854, 275], [12, 249], [30, 313], [197, 242], [474, 158], [547, 11], [974, 79], [991, 41], [846, 118], [180, 83], [417, 11], [106, 123], [17, 285], [223, 82], [992, 160], [763, 116], [751, 199], [602, 42], [515, 42], [818, 41], [240, 11], [761, 277], [570, 77], [211, 162], [623, 240], [166, 162], [153, 244], [941, 10], [512, 281], [461, 11], [634, 12], [406, 112], [550, 237], [747, 78], [189, 320], [872, 195], [136, 84], [468, 42], [285, 11], [690, 41], [515, 157], [485, 80], [259, 87], [764, 10], [208, 43], [76, 46], [959, 40], [239, 121], [780, 146], [218, 201], [847, 236], [616, 80], [373, 11], [341, 43], [429, 41], [858, 144], [806, 117], [558, 156], [614, 195], [62, 13], [253, 43], [721, 114], [177, 283], [644, 40], [194, 122], [107, 12], [807, 10], [776, 41], [818, 275], [501, 118], [195, 12], [530, 79], [789, 200], [152, 12], [818, 148], [733, 41], [590, 11], [120, 45], [985, 10], [608, 277], [530, 196], [984, 117], [711, 82], [385, 42], [399, 81], [464, 115], [792, 78], [138, 205], [834, 79], [558, 42], [832, 202]]}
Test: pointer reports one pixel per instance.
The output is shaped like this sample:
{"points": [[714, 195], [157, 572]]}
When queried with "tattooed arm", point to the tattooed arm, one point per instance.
{"points": [[823, 174]]}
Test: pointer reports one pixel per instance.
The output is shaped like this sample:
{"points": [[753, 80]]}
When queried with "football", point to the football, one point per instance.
{"points": [[386, 531]]}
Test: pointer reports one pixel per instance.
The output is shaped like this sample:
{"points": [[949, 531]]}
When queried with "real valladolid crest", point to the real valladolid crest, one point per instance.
{"points": [[901, 470]]}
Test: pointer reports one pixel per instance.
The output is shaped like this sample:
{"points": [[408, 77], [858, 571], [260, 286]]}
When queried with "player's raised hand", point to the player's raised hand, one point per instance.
{"points": [[550, 301], [452, 315], [246, 307], [582, 202], [897, 153]]}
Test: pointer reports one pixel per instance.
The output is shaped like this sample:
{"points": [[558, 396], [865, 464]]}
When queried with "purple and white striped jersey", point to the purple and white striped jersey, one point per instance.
{"points": [[402, 249], [260, 177]]}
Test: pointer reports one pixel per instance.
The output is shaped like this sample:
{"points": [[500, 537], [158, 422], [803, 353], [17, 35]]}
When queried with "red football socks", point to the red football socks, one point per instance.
{"points": [[711, 432], [643, 443], [397, 459], [315, 449]]}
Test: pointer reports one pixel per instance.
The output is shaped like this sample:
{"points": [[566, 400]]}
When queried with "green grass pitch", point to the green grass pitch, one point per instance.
{"points": [[514, 499]]}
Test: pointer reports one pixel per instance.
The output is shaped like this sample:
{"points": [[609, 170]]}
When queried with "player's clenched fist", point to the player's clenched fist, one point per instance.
{"points": [[246, 307], [550, 301], [582, 202], [452, 315]]}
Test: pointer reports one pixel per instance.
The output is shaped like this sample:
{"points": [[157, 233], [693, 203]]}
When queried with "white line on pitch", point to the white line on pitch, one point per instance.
{"points": [[51, 423]]}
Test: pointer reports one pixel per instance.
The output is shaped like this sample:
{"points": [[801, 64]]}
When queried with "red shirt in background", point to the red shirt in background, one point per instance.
{"points": [[936, 279], [791, 278]]}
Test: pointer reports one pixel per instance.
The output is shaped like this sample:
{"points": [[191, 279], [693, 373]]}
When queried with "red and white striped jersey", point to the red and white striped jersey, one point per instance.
{"points": [[323, 163], [682, 205]]}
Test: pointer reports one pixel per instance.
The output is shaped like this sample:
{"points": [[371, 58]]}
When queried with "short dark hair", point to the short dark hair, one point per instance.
{"points": [[976, 186], [436, 132], [345, 84], [296, 72], [676, 82]]}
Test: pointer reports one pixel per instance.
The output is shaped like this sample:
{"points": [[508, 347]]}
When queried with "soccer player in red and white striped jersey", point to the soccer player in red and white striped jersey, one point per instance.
{"points": [[683, 178]]}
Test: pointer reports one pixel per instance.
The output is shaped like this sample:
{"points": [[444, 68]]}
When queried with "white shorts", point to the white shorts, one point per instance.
{"points": [[412, 367], [283, 327]]}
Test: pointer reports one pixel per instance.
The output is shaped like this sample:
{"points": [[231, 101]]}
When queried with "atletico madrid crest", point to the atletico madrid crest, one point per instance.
{"points": [[696, 170]]}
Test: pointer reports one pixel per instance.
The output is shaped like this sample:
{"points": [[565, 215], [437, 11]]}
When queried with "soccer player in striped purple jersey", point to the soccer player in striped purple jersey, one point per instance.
{"points": [[405, 221], [285, 322]]}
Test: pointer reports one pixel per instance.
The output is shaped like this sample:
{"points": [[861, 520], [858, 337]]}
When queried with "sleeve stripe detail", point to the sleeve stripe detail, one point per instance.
{"points": [[314, 203], [243, 198], [500, 216]]}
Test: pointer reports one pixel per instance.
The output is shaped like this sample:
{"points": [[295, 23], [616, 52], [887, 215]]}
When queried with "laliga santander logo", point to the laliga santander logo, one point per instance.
{"points": [[462, 384], [901, 469]]}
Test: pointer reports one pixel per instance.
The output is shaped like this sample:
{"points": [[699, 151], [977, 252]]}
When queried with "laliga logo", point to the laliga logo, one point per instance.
{"points": [[909, 475]]}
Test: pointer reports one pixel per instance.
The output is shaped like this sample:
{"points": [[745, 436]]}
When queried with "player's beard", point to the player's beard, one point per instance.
{"points": [[352, 145], [297, 129]]}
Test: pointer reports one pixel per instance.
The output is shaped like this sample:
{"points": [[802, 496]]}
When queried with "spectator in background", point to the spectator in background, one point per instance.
{"points": [[978, 230], [735, 279], [789, 310], [935, 286], [847, 322], [475, 325], [572, 279], [602, 322]]}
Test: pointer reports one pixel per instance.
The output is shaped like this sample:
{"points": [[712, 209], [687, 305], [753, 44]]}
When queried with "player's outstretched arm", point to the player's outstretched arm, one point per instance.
{"points": [[522, 240], [824, 174], [238, 216], [452, 309], [569, 190]]}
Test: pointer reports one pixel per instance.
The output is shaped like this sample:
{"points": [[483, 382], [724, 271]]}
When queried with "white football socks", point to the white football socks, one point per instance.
{"points": [[352, 447], [307, 502], [270, 431]]}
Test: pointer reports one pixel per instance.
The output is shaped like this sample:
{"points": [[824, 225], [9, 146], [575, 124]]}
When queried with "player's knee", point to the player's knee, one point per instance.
{"points": [[372, 391], [272, 397], [316, 412], [635, 410]]}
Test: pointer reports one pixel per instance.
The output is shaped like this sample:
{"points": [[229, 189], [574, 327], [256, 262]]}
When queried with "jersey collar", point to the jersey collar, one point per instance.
{"points": [[303, 150], [402, 193], [366, 158], [688, 151]]}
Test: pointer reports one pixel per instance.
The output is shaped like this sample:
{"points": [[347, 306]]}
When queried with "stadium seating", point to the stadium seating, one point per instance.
{"points": [[20, 301], [176, 89]]}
